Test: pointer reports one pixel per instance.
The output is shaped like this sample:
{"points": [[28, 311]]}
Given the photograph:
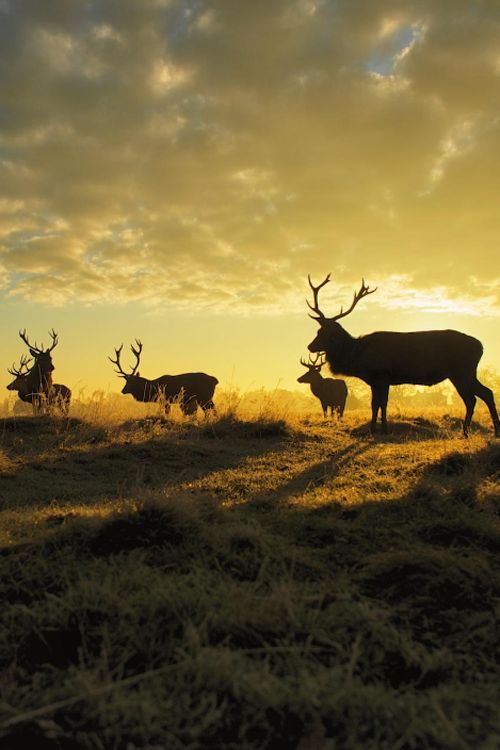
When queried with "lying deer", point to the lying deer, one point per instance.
{"points": [[388, 358], [38, 383], [58, 395], [190, 390], [332, 393]]}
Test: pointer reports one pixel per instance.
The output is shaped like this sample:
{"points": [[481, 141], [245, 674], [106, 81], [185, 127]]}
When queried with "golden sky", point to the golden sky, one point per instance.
{"points": [[173, 170]]}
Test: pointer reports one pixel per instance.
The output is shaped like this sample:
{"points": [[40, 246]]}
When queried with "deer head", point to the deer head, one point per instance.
{"points": [[134, 374], [330, 326], [313, 369], [20, 374]]}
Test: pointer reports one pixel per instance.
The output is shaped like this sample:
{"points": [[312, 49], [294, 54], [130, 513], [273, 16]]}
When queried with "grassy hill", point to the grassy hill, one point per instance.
{"points": [[268, 582]]}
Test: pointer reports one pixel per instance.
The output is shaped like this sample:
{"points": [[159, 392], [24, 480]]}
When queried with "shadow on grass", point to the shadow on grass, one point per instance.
{"points": [[72, 461], [314, 476], [418, 428]]}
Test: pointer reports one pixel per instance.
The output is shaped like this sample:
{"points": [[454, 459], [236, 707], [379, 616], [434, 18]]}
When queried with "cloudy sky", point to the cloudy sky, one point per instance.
{"points": [[173, 170]]}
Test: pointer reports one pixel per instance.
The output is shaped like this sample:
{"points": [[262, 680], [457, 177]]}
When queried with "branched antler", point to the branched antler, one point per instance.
{"points": [[117, 361], [319, 315], [34, 348], [363, 292], [23, 365], [137, 355], [313, 364], [53, 336]]}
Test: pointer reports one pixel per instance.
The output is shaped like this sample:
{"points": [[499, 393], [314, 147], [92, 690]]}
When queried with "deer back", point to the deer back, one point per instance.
{"points": [[194, 385], [419, 357]]}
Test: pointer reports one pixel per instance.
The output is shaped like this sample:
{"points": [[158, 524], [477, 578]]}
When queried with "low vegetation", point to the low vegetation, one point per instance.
{"points": [[247, 581]]}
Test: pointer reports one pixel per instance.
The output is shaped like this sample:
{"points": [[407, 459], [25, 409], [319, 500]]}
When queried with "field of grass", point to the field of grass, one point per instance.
{"points": [[266, 581]]}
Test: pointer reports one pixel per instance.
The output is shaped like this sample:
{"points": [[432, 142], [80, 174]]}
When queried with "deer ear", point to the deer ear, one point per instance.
{"points": [[33, 352], [138, 374]]}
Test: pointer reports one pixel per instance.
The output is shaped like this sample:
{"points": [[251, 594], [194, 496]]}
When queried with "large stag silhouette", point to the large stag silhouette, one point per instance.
{"points": [[59, 395], [190, 390], [37, 384], [331, 392], [388, 358]]}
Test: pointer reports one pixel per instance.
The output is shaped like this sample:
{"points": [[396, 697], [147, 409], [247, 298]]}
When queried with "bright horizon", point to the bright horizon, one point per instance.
{"points": [[172, 171]]}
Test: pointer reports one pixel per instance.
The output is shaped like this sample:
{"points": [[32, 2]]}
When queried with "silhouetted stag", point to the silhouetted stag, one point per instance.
{"points": [[388, 358], [332, 393], [39, 378], [189, 390], [58, 396]]}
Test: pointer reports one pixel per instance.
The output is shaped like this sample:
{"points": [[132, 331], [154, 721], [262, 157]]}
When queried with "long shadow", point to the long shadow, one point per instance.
{"points": [[419, 429], [84, 464], [314, 476]]}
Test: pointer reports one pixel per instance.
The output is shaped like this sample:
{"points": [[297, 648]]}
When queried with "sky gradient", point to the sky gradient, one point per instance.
{"points": [[173, 170]]}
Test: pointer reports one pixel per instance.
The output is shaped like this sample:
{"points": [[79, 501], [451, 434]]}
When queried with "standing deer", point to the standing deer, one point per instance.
{"points": [[59, 395], [332, 393], [38, 383], [190, 390], [388, 358]]}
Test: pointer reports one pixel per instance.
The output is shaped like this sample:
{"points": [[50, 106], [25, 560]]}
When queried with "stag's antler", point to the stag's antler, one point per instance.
{"points": [[313, 364], [363, 292], [135, 352], [315, 289], [34, 347], [23, 364], [137, 355], [53, 336], [117, 361]]}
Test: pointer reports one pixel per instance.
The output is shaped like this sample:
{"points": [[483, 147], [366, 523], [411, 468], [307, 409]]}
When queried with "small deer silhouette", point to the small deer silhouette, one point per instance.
{"points": [[331, 393], [190, 390], [386, 358]]}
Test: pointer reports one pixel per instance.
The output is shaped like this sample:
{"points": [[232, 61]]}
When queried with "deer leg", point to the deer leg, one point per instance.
{"points": [[486, 395], [189, 407], [65, 406], [209, 407], [37, 405], [380, 395], [375, 408], [384, 397], [466, 393]]}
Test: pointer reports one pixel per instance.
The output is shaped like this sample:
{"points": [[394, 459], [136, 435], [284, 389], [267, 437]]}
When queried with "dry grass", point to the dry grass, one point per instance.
{"points": [[254, 580]]}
